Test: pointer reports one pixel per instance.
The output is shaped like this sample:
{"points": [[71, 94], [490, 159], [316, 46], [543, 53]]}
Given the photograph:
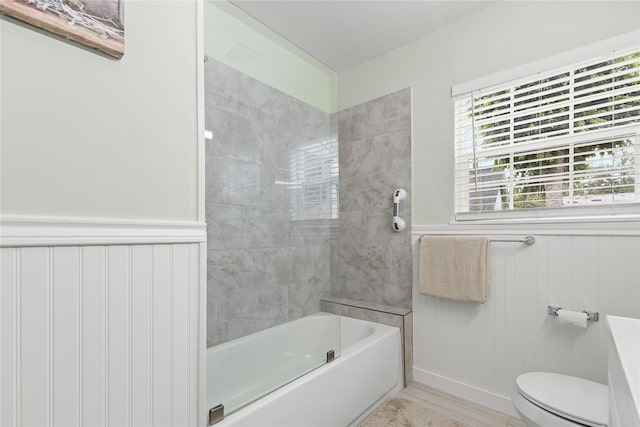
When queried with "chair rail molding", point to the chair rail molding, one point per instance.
{"points": [[24, 231], [576, 227]]}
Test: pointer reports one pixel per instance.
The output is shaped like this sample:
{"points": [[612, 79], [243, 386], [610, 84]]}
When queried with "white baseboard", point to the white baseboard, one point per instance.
{"points": [[474, 394], [23, 230]]}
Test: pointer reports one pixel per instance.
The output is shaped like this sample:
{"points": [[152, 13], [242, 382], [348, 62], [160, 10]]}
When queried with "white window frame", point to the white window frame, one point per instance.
{"points": [[625, 212]]}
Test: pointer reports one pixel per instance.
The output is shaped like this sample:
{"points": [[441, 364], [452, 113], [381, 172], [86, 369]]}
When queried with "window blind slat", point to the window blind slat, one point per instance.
{"points": [[544, 141], [545, 111]]}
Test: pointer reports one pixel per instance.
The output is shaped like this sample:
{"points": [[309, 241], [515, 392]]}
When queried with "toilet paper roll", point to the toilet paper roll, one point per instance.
{"points": [[573, 318]]}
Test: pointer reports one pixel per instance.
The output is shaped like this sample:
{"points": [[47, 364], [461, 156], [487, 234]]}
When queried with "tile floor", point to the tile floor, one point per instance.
{"points": [[458, 409]]}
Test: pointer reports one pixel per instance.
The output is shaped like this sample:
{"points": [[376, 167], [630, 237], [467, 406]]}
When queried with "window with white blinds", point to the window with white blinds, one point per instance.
{"points": [[561, 139], [313, 180]]}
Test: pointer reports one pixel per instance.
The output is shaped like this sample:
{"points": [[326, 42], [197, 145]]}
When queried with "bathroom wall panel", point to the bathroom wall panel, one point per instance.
{"points": [[369, 261], [34, 353], [161, 337], [118, 334], [141, 386], [485, 347], [99, 335], [93, 334], [8, 333], [264, 267], [184, 315], [66, 352]]}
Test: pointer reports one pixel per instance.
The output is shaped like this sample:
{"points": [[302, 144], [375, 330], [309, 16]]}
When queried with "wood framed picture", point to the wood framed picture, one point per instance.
{"points": [[98, 24]]}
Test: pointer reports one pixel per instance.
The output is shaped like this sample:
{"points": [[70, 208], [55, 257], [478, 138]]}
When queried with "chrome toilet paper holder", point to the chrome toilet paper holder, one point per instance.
{"points": [[591, 314]]}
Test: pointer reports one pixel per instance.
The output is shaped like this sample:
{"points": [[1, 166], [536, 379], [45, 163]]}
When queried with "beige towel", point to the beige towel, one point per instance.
{"points": [[455, 267]]}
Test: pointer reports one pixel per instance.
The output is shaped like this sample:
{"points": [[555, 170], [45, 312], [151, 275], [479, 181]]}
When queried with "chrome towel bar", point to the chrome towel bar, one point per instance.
{"points": [[529, 240]]}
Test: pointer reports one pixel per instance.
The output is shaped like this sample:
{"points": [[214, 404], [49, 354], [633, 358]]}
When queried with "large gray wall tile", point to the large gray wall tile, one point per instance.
{"points": [[242, 313], [263, 268], [369, 261]]}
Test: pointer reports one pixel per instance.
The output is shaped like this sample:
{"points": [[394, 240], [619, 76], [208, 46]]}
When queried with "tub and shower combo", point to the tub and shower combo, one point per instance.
{"points": [[321, 370]]}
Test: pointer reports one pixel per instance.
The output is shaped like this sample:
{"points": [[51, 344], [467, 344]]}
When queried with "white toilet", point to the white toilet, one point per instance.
{"points": [[545, 399]]}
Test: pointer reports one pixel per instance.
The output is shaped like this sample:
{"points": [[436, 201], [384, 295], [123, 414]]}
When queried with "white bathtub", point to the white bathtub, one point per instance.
{"points": [[337, 394]]}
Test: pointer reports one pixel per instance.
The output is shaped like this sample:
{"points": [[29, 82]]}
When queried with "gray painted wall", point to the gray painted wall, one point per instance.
{"points": [[84, 135], [504, 35]]}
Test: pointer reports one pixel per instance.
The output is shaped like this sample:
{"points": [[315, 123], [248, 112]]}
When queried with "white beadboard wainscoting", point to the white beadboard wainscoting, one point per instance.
{"points": [[106, 331], [476, 351]]}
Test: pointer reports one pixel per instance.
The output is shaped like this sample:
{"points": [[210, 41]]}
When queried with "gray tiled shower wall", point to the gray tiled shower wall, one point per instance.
{"points": [[263, 268], [369, 261]]}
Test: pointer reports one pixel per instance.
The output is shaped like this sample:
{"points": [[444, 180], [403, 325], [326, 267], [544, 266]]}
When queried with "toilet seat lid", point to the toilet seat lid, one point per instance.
{"points": [[576, 399]]}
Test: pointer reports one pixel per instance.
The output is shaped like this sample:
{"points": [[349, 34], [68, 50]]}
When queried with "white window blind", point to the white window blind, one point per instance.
{"points": [[565, 138], [313, 180]]}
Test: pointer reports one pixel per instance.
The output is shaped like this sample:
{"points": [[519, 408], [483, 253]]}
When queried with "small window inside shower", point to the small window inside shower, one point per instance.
{"points": [[312, 186]]}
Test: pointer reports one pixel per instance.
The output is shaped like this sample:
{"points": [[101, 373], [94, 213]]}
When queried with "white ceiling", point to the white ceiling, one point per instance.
{"points": [[342, 34]]}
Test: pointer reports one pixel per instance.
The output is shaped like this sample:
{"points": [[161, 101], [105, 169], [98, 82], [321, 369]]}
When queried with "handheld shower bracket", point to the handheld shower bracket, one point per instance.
{"points": [[398, 223]]}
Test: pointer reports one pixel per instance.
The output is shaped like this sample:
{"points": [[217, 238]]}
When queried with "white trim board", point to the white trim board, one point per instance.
{"points": [[203, 411], [466, 391], [22, 231], [200, 108], [620, 228]]}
